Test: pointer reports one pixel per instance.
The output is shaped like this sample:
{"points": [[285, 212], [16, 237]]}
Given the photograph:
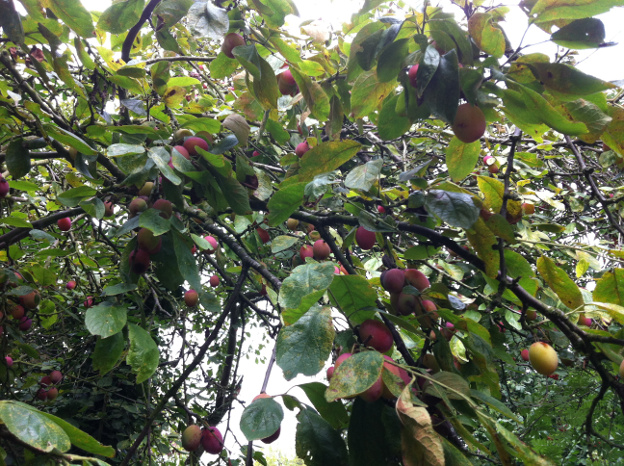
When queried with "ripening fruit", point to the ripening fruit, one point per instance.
{"points": [[264, 235], [374, 392], [212, 440], [393, 280], [375, 334], [64, 224], [286, 83], [302, 148], [9, 361], [417, 279], [25, 324], [146, 189], [230, 41], [412, 75], [148, 242], [543, 358], [493, 169], [212, 245], [17, 312], [292, 224], [30, 300], [448, 331], [42, 394], [321, 250], [584, 320], [4, 187], [469, 124], [56, 377], [306, 251], [528, 209], [138, 204], [425, 311], [255, 153], [183, 152], [342, 358], [191, 437], [191, 298], [330, 373], [139, 261], [192, 143], [215, 281], [88, 302], [165, 207], [525, 354], [365, 239], [45, 381], [108, 209]]}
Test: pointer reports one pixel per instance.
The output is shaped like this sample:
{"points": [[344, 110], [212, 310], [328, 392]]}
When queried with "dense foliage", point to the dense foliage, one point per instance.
{"points": [[158, 148]]}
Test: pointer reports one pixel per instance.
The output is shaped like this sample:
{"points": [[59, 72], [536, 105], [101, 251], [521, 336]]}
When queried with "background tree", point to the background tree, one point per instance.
{"points": [[184, 182]]}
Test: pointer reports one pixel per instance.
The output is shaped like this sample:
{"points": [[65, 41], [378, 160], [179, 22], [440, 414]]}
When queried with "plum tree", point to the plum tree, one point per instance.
{"points": [[461, 187]]}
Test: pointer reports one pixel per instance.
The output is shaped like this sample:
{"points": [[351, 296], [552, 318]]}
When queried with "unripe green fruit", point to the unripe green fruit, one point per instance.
{"points": [[191, 437], [543, 358]]}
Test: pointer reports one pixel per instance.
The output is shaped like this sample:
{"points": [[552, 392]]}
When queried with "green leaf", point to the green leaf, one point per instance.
{"points": [[306, 284], [152, 220], [334, 413], [368, 94], [12, 24], [462, 158], [567, 80], [549, 10], [261, 419], [521, 450], [363, 177], [483, 240], [284, 202], [172, 11], [353, 294], [93, 207], [585, 33], [69, 139], [203, 124], [17, 159], [326, 157], [81, 439], [33, 427], [73, 196], [105, 319], [222, 67], [275, 11], [186, 261], [115, 150], [16, 222], [493, 191], [283, 242], [74, 15], [610, 287], [486, 34], [161, 158], [143, 354], [121, 16], [560, 282], [373, 434], [303, 348], [442, 94], [317, 443], [391, 60], [355, 375], [391, 125], [107, 352], [313, 94], [456, 209]]}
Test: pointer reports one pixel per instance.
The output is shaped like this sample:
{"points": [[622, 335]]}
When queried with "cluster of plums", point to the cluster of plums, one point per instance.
{"points": [[209, 438], [48, 390]]}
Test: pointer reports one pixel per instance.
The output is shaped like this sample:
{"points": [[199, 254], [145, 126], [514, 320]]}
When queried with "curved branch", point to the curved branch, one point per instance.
{"points": [[132, 33]]}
